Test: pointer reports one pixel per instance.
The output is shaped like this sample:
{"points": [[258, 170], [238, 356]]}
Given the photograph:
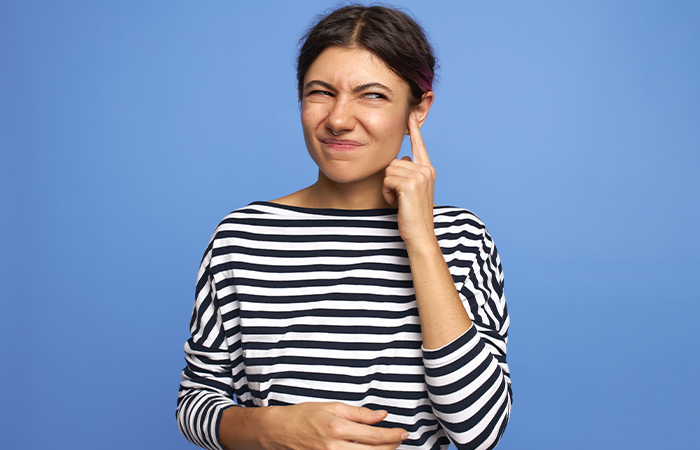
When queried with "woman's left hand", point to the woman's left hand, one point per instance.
{"points": [[411, 184]]}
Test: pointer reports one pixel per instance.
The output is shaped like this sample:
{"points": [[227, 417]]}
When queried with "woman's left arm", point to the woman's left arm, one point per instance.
{"points": [[467, 377], [411, 184]]}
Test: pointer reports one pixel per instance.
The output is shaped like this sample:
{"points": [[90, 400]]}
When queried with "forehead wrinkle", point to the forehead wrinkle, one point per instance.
{"points": [[356, 77]]}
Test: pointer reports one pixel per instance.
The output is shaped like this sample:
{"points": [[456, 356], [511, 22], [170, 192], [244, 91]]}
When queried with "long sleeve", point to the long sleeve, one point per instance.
{"points": [[468, 379], [207, 380], [296, 305]]}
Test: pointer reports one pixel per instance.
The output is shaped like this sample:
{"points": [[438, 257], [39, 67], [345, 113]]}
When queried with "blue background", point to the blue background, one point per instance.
{"points": [[129, 129]]}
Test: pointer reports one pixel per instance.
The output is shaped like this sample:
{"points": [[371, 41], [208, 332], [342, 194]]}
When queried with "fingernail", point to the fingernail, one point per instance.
{"points": [[404, 435]]}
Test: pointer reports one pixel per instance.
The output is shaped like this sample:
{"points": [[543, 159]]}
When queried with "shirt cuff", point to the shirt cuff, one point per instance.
{"points": [[448, 353]]}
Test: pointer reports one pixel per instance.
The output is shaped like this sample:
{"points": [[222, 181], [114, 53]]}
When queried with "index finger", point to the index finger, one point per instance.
{"points": [[418, 150]]}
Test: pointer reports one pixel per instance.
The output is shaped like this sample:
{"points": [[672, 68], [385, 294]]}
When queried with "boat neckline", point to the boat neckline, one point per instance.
{"points": [[350, 212]]}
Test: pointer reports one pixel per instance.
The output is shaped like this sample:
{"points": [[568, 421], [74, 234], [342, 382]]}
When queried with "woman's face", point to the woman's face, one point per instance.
{"points": [[352, 92]]}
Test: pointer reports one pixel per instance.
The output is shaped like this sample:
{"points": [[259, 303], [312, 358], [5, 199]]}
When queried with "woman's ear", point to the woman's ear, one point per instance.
{"points": [[420, 111]]}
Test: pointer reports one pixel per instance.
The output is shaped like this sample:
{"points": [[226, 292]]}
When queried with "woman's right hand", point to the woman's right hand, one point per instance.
{"points": [[308, 426]]}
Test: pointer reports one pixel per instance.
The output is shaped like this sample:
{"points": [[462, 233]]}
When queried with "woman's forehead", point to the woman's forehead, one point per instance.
{"points": [[350, 67]]}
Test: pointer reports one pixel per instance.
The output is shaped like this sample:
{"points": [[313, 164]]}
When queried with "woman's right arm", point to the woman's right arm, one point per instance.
{"points": [[331, 425], [208, 417], [206, 390]]}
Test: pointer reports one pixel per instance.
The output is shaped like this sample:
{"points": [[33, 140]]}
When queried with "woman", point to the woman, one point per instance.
{"points": [[353, 313]]}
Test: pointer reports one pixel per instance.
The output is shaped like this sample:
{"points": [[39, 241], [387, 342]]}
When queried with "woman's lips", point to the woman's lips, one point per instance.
{"points": [[341, 144]]}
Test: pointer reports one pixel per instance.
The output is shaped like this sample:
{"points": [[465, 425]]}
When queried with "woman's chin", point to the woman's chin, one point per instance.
{"points": [[346, 176]]}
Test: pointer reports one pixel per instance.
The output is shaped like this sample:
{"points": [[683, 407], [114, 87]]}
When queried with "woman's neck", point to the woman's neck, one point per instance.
{"points": [[326, 193]]}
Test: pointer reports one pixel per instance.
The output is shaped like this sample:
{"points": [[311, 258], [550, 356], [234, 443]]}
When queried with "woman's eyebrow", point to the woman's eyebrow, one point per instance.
{"points": [[375, 85], [360, 88], [319, 82]]}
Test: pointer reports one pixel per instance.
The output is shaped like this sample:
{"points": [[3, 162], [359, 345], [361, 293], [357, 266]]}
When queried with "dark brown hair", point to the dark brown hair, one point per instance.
{"points": [[390, 34]]}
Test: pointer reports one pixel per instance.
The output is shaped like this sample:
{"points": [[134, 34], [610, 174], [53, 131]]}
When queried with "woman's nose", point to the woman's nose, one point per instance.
{"points": [[340, 117]]}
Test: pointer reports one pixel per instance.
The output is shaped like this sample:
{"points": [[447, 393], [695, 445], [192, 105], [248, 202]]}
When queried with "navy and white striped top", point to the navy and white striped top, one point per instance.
{"points": [[298, 304]]}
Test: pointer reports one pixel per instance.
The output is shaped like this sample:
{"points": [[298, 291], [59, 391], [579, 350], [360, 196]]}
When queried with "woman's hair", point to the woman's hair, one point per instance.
{"points": [[390, 34]]}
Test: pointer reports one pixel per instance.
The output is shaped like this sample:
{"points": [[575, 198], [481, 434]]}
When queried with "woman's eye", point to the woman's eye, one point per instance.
{"points": [[375, 95], [317, 92]]}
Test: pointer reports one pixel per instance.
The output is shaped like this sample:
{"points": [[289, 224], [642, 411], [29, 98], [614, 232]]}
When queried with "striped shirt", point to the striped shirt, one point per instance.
{"points": [[297, 304]]}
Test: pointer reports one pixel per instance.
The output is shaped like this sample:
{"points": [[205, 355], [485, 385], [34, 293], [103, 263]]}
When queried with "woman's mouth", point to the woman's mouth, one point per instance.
{"points": [[341, 144]]}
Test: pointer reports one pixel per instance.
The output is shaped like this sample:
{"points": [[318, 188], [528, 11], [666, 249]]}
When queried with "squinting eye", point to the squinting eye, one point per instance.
{"points": [[319, 93], [375, 95]]}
